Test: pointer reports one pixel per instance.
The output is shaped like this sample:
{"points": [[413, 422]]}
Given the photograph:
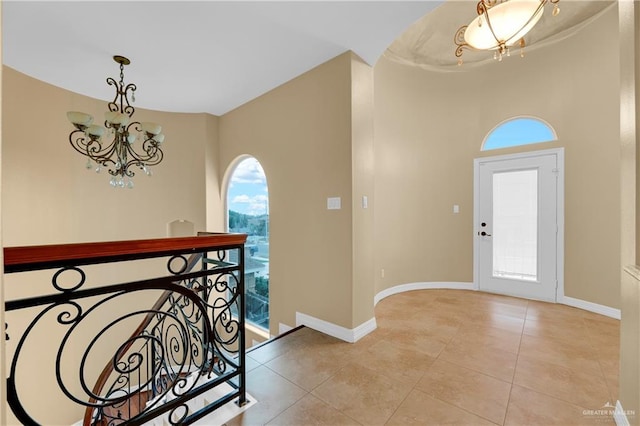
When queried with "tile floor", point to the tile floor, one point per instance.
{"points": [[443, 357]]}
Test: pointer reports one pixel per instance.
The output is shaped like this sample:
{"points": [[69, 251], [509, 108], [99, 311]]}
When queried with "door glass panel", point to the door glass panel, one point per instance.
{"points": [[515, 225]]}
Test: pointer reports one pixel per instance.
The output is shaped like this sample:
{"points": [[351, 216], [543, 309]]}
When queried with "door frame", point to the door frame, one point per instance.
{"points": [[559, 152]]}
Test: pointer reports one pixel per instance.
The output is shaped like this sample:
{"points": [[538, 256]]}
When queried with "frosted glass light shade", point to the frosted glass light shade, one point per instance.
{"points": [[79, 118], [121, 119], [116, 118], [510, 21], [131, 138], [159, 138], [109, 116], [151, 128], [95, 130]]}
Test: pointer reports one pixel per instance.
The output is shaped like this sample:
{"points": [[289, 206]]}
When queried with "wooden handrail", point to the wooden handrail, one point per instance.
{"points": [[18, 259]]}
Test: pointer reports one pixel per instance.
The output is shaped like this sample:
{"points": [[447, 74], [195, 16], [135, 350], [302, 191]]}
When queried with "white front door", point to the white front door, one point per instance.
{"points": [[517, 216]]}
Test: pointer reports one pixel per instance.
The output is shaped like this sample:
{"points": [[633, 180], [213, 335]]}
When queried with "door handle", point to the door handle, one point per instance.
{"points": [[484, 234]]}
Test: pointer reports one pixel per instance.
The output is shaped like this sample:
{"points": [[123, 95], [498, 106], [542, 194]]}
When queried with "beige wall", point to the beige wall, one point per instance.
{"points": [[215, 214], [49, 197], [429, 127], [301, 134]]}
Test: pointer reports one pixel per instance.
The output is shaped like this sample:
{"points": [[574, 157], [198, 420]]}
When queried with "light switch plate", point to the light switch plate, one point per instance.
{"points": [[456, 208], [334, 203]]}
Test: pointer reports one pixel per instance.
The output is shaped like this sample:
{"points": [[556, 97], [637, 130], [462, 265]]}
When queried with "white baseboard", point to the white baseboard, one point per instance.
{"points": [[421, 286], [346, 334], [591, 307], [566, 300], [283, 328], [363, 329], [620, 416]]}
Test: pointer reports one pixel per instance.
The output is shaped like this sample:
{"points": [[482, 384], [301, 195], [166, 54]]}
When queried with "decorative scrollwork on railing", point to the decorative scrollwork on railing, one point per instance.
{"points": [[61, 287], [177, 260], [155, 357], [226, 327]]}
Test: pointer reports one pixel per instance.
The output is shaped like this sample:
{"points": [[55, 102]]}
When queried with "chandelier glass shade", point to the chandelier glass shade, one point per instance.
{"points": [[113, 145], [499, 25]]}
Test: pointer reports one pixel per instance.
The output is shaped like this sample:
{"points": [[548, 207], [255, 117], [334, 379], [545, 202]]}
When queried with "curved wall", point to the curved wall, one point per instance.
{"points": [[429, 127], [49, 197]]}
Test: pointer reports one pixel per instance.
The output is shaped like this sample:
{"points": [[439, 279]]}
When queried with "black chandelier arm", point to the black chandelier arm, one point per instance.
{"points": [[128, 109], [101, 154], [154, 154], [103, 157], [78, 141], [152, 157], [91, 148], [113, 105], [125, 172], [151, 152], [120, 102]]}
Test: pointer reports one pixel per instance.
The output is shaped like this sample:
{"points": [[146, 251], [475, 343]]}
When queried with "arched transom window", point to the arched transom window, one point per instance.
{"points": [[519, 131]]}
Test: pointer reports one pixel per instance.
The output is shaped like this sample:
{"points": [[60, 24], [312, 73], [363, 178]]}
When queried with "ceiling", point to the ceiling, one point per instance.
{"points": [[213, 56], [429, 42], [200, 56]]}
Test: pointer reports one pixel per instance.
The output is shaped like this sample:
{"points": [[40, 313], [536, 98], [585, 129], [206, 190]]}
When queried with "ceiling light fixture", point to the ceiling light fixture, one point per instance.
{"points": [[118, 153], [500, 24]]}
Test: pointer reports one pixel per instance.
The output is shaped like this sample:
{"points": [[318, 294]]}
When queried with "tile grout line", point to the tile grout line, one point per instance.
{"points": [[294, 403], [462, 366], [457, 311], [549, 395], [515, 368], [602, 370]]}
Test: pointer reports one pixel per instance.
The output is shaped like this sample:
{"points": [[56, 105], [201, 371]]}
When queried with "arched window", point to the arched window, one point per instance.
{"points": [[519, 131], [248, 213]]}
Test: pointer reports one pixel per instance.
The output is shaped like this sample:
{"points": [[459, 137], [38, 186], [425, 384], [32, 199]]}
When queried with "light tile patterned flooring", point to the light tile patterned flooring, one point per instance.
{"points": [[443, 357]]}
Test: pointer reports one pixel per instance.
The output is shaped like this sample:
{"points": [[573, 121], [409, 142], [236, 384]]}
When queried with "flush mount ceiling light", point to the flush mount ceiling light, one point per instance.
{"points": [[501, 24], [113, 146]]}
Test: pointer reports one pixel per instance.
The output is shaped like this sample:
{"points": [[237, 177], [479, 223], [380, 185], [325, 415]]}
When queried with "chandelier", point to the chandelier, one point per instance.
{"points": [[113, 146], [499, 25]]}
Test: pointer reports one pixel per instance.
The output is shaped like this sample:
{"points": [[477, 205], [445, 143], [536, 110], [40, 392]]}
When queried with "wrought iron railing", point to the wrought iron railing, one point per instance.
{"points": [[126, 352]]}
